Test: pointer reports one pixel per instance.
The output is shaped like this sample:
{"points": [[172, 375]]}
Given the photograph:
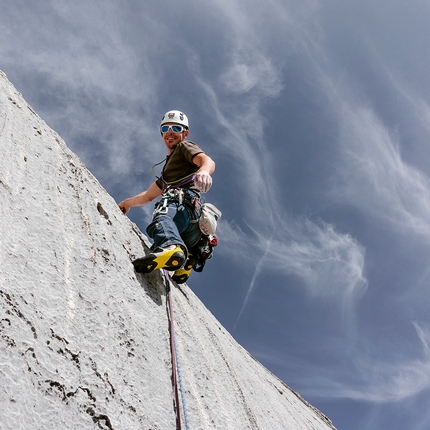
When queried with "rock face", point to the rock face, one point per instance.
{"points": [[84, 341]]}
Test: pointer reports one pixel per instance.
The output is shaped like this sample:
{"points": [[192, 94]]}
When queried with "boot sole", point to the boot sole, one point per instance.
{"points": [[182, 275]]}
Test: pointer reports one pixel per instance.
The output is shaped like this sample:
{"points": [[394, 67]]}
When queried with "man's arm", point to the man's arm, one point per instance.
{"points": [[205, 162], [203, 177], [145, 197]]}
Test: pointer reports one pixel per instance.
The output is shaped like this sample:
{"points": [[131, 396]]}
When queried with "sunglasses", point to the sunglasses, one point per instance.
{"points": [[174, 128]]}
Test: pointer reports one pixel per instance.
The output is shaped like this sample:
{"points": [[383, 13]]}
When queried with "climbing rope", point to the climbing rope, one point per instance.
{"points": [[176, 368]]}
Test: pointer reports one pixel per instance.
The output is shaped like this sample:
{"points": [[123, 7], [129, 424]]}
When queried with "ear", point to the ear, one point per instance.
{"points": [[186, 133]]}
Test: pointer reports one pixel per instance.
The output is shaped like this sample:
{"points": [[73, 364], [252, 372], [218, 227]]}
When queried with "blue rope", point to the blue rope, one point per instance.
{"points": [[175, 360]]}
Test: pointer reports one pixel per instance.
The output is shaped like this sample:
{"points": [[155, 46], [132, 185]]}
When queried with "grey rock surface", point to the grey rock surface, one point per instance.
{"points": [[84, 341]]}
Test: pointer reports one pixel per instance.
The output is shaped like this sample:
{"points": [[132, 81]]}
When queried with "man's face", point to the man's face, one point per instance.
{"points": [[171, 139]]}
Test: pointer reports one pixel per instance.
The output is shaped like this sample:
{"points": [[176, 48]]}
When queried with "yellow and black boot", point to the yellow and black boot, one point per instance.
{"points": [[180, 276], [169, 259]]}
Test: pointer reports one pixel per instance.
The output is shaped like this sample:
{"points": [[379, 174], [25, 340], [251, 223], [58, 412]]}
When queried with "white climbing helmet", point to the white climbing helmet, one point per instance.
{"points": [[175, 116]]}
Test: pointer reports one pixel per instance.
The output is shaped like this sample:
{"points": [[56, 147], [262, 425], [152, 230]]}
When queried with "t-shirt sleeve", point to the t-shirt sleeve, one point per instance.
{"points": [[190, 149], [159, 183]]}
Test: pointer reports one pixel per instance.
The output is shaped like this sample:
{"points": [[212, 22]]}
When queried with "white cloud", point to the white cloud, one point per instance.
{"points": [[245, 74], [91, 61], [374, 177], [329, 263], [391, 380]]}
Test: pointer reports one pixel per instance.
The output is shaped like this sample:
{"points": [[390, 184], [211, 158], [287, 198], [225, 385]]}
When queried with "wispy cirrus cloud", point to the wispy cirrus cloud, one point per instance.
{"points": [[329, 263], [376, 179], [393, 380]]}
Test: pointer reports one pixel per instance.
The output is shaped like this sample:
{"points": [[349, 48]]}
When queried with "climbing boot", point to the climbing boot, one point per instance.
{"points": [[180, 276], [169, 259]]}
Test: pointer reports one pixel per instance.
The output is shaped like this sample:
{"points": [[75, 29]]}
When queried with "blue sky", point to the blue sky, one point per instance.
{"points": [[317, 114]]}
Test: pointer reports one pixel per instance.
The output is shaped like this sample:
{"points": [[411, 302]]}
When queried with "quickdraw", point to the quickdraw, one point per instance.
{"points": [[169, 195]]}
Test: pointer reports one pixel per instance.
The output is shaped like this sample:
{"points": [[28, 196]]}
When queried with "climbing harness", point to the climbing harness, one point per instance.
{"points": [[183, 196], [176, 369]]}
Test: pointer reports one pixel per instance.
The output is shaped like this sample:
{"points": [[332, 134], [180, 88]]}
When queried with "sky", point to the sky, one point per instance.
{"points": [[317, 114]]}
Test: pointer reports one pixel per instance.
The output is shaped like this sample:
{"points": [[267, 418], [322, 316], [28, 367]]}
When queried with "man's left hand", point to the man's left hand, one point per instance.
{"points": [[203, 180]]}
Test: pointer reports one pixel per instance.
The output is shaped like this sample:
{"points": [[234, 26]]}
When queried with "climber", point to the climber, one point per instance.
{"points": [[174, 228]]}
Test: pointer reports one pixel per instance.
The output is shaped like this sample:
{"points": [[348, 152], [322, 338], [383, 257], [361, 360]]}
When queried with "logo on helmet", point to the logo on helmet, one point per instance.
{"points": [[171, 115]]}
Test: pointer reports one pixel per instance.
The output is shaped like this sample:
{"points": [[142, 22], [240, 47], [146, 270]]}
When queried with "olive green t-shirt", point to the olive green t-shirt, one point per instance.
{"points": [[179, 166]]}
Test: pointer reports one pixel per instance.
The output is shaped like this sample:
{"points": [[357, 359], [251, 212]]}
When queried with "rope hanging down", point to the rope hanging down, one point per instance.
{"points": [[176, 369]]}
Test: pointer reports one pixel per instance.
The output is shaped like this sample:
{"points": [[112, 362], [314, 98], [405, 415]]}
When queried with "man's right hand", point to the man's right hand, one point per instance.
{"points": [[124, 208]]}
